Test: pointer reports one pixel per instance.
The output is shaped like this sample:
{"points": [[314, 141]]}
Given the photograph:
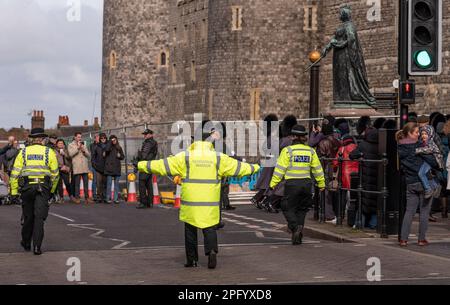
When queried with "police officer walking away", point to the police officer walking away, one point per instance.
{"points": [[148, 152], [35, 175], [201, 169], [295, 164]]}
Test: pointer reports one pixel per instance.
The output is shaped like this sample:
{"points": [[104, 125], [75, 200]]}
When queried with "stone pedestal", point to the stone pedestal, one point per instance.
{"points": [[352, 109]]}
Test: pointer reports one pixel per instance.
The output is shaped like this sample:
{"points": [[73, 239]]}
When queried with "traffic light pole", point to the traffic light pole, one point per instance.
{"points": [[404, 76], [403, 55]]}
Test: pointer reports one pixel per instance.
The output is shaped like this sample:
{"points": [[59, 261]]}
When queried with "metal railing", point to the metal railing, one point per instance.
{"points": [[319, 206]]}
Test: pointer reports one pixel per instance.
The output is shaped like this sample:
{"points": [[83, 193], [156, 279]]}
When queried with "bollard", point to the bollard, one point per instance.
{"points": [[316, 199], [359, 221], [385, 193], [339, 190]]}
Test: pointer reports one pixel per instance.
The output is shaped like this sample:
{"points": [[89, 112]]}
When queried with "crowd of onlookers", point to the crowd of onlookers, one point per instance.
{"points": [[76, 161], [340, 138]]}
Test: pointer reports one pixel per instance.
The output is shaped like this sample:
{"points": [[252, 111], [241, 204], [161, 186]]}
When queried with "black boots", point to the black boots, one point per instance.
{"points": [[212, 260], [297, 236], [190, 264], [37, 250], [25, 246]]}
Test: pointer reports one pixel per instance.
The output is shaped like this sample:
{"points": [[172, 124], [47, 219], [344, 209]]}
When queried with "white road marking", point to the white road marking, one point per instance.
{"points": [[62, 217], [319, 277], [99, 232], [434, 274]]}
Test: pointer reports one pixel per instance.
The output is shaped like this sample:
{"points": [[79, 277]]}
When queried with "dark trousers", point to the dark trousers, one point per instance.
{"points": [[101, 186], [224, 195], [35, 211], [64, 178], [146, 190], [191, 242], [77, 179], [72, 184], [296, 202]]}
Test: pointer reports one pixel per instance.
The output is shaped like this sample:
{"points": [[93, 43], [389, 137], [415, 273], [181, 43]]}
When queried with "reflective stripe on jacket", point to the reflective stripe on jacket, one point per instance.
{"points": [[297, 162], [201, 169], [35, 161]]}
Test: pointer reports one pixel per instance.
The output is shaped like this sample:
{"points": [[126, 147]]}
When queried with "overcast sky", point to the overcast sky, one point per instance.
{"points": [[49, 63]]}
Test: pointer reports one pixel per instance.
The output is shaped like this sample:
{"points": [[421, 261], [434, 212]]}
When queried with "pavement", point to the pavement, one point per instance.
{"points": [[118, 244]]}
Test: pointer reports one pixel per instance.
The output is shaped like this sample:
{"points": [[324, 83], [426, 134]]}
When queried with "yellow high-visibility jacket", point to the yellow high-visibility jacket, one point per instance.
{"points": [[35, 161], [297, 162], [201, 169]]}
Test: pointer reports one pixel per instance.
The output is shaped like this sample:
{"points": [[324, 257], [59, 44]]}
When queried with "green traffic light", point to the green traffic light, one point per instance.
{"points": [[423, 59]]}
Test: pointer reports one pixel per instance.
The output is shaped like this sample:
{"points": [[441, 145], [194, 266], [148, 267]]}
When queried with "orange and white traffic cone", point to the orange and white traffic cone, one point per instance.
{"points": [[132, 197], [81, 189], [156, 197], [90, 178], [177, 203], [65, 192]]}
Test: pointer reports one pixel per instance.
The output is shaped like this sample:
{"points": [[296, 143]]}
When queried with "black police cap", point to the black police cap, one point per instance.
{"points": [[38, 133], [299, 130]]}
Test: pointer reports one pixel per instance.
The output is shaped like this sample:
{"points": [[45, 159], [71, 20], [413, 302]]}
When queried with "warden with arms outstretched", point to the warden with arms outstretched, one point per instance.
{"points": [[201, 169]]}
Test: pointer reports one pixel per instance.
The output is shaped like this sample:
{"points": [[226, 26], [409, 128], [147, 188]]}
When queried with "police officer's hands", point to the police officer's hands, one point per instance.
{"points": [[322, 190]]}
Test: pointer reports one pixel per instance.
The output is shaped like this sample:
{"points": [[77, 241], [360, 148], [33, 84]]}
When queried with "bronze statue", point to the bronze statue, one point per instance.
{"points": [[349, 70]]}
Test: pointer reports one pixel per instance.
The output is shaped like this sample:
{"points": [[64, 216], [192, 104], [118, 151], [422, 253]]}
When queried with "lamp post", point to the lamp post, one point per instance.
{"points": [[314, 56]]}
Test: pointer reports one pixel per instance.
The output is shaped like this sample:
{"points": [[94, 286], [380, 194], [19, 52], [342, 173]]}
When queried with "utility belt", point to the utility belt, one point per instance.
{"points": [[25, 182]]}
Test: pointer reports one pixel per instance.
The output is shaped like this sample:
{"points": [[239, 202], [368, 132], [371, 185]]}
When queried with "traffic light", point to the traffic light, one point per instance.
{"points": [[407, 92], [425, 37]]}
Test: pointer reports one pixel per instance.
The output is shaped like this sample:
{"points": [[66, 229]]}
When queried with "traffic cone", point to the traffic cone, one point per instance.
{"points": [[132, 197], [81, 189], [177, 203], [156, 197], [90, 194], [112, 191], [65, 193]]}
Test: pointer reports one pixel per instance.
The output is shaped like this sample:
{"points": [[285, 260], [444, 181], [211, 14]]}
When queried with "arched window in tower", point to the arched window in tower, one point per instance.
{"points": [[310, 18], [236, 20], [163, 59], [112, 60]]}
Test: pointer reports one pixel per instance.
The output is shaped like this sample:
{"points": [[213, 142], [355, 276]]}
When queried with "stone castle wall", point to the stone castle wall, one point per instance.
{"points": [[242, 59], [135, 90]]}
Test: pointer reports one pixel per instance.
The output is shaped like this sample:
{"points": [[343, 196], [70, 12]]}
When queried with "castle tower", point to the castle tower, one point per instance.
{"points": [[135, 61], [258, 51]]}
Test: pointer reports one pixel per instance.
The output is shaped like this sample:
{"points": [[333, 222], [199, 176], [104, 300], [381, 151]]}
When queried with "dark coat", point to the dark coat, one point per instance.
{"points": [[410, 162], [98, 157], [113, 155], [369, 149], [148, 152]]}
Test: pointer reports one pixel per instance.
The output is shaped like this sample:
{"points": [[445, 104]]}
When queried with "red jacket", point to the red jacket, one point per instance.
{"points": [[348, 167]]}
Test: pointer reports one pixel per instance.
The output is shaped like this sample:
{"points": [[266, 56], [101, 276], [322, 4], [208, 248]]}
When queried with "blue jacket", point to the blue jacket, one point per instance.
{"points": [[410, 163]]}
